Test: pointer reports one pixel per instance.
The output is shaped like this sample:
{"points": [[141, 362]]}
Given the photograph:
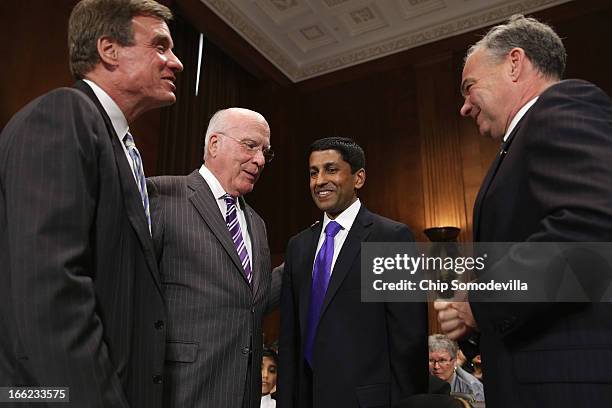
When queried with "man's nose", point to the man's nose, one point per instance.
{"points": [[259, 158], [175, 63], [321, 179], [466, 108]]}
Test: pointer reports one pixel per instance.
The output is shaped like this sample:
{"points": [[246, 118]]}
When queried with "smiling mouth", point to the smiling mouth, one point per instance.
{"points": [[323, 193], [171, 82]]}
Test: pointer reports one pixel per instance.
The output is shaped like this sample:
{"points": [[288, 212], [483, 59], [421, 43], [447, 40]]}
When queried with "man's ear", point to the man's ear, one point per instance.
{"points": [[108, 51], [213, 145], [360, 177], [517, 59]]}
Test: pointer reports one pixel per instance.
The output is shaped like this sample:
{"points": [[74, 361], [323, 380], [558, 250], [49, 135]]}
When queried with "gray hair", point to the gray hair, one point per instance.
{"points": [[219, 124], [93, 19], [441, 342], [541, 44]]}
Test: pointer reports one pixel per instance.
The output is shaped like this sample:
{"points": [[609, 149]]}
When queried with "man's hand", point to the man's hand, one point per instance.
{"points": [[456, 319]]}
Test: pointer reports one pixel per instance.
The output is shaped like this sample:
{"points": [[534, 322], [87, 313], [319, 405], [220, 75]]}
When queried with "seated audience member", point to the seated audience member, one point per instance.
{"points": [[469, 365], [443, 364], [477, 365], [269, 367]]}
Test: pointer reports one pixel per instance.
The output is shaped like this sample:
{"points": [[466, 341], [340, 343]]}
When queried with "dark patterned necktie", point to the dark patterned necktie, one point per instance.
{"points": [[320, 280], [128, 140], [231, 219]]}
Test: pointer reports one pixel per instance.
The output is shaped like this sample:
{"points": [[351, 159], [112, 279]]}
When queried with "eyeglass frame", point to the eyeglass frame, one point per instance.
{"points": [[267, 152], [441, 363]]}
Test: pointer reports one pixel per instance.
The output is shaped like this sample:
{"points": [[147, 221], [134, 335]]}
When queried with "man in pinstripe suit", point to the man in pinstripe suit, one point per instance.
{"points": [[81, 305], [217, 284]]}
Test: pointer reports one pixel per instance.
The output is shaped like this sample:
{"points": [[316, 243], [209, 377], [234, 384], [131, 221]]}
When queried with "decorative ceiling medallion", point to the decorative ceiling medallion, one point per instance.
{"points": [[414, 8], [334, 3], [282, 10], [363, 20], [311, 37]]}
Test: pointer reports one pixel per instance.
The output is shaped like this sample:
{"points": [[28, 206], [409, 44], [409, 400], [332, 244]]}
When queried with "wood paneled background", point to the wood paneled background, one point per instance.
{"points": [[424, 162]]}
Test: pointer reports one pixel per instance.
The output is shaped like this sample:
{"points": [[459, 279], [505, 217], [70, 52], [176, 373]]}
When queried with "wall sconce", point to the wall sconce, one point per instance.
{"points": [[442, 234], [444, 245]]}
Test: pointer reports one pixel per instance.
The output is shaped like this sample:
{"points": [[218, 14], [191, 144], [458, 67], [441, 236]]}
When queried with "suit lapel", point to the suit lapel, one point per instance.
{"points": [[131, 195], [350, 250], [305, 272], [205, 203], [488, 180], [255, 243]]}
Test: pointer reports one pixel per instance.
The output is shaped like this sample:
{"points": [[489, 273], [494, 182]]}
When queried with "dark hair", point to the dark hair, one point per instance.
{"points": [[268, 352], [93, 19], [350, 151]]}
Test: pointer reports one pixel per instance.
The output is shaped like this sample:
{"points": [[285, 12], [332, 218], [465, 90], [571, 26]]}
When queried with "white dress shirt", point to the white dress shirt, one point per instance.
{"points": [[267, 402], [346, 219], [218, 192], [519, 115], [116, 116]]}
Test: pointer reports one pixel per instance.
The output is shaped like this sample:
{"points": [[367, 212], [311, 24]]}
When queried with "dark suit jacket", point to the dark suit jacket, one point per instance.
{"points": [[80, 301], [365, 354], [554, 184], [214, 348]]}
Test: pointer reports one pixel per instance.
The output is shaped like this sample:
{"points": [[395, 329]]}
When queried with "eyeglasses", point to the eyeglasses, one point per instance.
{"points": [[252, 147], [441, 363]]}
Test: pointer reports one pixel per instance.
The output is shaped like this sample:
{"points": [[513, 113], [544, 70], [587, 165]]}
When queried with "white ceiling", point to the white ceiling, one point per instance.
{"points": [[308, 38]]}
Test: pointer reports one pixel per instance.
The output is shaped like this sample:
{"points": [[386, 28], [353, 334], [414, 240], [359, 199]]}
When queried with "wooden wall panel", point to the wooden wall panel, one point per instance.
{"points": [[443, 191]]}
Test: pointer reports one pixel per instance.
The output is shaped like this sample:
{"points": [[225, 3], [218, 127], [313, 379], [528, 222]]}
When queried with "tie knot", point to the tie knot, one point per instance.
{"points": [[229, 200], [128, 140], [332, 228]]}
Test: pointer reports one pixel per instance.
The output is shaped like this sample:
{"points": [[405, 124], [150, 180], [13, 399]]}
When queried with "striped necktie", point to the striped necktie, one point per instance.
{"points": [[231, 219], [128, 140]]}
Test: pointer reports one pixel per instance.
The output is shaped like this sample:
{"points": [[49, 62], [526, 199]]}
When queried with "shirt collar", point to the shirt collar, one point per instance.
{"points": [[112, 109], [346, 217], [519, 115], [213, 182]]}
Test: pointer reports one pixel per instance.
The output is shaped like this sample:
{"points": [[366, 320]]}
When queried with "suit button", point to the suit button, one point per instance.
{"points": [[252, 310], [157, 379], [246, 350], [159, 324]]}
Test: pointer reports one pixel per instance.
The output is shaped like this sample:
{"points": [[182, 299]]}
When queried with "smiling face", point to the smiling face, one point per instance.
{"points": [[146, 70], [268, 375], [235, 166], [485, 87], [332, 185]]}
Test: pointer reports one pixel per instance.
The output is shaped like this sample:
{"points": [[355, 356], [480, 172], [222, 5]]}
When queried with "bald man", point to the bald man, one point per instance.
{"points": [[215, 267]]}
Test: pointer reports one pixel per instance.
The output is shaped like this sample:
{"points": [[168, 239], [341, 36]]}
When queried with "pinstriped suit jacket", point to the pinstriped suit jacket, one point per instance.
{"points": [[214, 347], [80, 292]]}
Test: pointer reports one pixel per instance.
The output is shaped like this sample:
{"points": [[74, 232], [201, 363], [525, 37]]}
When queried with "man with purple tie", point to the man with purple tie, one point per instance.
{"points": [[334, 350], [215, 267]]}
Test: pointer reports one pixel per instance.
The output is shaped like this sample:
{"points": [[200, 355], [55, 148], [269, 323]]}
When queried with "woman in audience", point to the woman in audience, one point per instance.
{"points": [[443, 364]]}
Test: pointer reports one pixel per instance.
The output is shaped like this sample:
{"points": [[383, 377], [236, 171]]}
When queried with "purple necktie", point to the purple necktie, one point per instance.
{"points": [[231, 219], [320, 279]]}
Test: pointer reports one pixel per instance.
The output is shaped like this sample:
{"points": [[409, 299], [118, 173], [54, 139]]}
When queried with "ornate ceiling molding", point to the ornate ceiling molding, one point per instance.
{"points": [[296, 71]]}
